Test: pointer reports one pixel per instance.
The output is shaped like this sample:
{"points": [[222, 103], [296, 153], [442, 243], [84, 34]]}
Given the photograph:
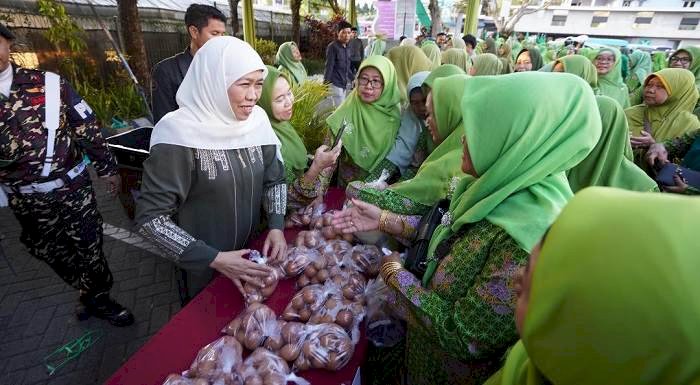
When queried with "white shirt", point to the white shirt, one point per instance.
{"points": [[6, 81]]}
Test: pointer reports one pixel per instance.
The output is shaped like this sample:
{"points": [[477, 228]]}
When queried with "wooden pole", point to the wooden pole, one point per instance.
{"points": [[249, 23]]}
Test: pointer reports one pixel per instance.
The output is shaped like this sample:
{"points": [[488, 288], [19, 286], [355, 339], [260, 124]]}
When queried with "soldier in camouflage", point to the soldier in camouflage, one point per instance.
{"points": [[51, 194]]}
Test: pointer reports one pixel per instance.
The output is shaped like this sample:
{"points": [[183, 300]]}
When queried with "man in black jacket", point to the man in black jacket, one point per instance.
{"points": [[203, 23]]}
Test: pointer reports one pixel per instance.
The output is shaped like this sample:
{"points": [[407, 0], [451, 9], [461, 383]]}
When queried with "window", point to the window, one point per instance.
{"points": [[688, 4], [559, 20], [575, 3], [643, 20], [600, 19], [689, 23], [626, 3]]}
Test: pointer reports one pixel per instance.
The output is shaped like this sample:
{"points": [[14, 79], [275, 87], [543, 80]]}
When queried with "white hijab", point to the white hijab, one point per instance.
{"points": [[408, 41], [205, 119]]}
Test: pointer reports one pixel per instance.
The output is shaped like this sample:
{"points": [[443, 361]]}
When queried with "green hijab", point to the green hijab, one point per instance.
{"points": [[520, 157], [286, 63], [378, 46], [582, 67], [614, 296], [293, 149], [659, 60], [489, 46], [607, 164], [432, 51], [506, 58], [640, 65], [457, 57], [673, 118], [535, 57], [612, 84], [408, 60], [440, 171], [694, 53], [487, 64], [444, 70], [372, 128]]}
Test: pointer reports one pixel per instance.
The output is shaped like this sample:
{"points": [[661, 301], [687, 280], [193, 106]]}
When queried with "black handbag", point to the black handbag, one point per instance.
{"points": [[417, 256]]}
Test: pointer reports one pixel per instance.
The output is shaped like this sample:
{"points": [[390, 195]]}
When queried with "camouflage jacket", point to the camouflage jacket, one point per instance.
{"points": [[23, 135]]}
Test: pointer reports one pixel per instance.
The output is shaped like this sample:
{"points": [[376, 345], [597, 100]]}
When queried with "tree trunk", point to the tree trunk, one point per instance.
{"points": [[436, 21], [335, 7], [296, 21], [133, 39], [234, 16]]}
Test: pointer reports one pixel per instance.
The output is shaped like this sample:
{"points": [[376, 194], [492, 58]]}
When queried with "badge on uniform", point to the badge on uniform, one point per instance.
{"points": [[83, 109]]}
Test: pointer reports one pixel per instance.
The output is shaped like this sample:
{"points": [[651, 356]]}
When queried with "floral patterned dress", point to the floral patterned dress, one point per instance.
{"points": [[460, 327]]}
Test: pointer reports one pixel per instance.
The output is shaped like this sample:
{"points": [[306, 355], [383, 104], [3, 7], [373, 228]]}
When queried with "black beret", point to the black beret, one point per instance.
{"points": [[6, 33]]}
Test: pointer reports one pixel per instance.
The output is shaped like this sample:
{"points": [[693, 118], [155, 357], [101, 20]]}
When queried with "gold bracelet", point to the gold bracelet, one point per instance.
{"points": [[389, 269], [382, 220]]}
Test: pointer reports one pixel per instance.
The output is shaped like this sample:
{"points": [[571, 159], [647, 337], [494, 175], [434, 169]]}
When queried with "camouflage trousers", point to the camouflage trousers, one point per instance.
{"points": [[64, 229]]}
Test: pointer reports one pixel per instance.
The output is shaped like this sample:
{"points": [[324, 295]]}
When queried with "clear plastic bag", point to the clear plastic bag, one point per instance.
{"points": [[177, 379], [335, 251], [380, 184], [265, 368], [312, 239], [257, 326], [368, 258], [323, 346], [254, 294], [221, 357], [297, 259], [308, 300], [384, 326]]}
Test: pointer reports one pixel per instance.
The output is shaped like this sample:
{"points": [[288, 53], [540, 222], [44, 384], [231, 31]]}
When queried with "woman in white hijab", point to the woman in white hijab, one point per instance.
{"points": [[214, 165]]}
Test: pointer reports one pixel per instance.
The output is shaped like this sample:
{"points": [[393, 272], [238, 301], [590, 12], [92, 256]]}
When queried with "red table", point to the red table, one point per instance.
{"points": [[174, 347]]}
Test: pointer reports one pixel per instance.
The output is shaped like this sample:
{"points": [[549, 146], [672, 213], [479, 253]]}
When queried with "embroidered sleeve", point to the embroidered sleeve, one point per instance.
{"points": [[274, 188], [389, 199], [470, 304], [167, 236]]}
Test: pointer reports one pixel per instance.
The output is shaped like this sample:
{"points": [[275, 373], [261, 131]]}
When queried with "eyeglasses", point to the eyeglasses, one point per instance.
{"points": [[677, 59], [374, 83]]}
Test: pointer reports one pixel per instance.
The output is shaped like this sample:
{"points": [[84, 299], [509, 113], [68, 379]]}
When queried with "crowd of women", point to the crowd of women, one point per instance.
{"points": [[522, 282]]}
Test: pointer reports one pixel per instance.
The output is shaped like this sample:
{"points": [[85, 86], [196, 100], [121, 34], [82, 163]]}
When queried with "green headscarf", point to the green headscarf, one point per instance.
{"points": [[489, 46], [293, 149], [640, 67], [378, 46], [694, 53], [372, 128], [287, 64], [444, 70], [673, 118], [440, 171], [487, 64], [506, 58], [612, 84], [432, 51], [457, 42], [607, 164], [581, 67], [535, 57], [457, 57], [604, 306], [659, 60], [520, 157], [408, 60]]}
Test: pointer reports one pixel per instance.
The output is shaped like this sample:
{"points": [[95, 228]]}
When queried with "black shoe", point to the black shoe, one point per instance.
{"points": [[104, 307]]}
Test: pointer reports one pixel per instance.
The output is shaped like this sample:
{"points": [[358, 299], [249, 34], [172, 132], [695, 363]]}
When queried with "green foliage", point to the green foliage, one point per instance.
{"points": [[309, 118], [117, 98], [314, 66], [267, 50]]}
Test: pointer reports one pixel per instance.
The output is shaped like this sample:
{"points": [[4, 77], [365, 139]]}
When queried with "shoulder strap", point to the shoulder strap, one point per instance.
{"points": [[52, 104]]}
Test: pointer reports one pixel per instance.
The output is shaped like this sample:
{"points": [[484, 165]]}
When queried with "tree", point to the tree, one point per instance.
{"points": [[506, 21], [234, 16], [436, 21], [296, 20], [133, 39], [337, 10]]}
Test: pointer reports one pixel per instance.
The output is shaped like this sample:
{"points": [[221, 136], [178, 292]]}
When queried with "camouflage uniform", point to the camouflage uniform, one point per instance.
{"points": [[63, 227]]}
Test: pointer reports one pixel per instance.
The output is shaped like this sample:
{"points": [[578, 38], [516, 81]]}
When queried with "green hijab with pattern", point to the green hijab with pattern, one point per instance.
{"points": [[285, 61], [408, 60], [372, 127], [640, 66], [487, 64], [580, 66], [458, 57], [694, 52], [432, 51], [520, 157], [610, 163], [614, 296], [444, 70], [612, 84], [673, 118], [293, 150], [442, 169]]}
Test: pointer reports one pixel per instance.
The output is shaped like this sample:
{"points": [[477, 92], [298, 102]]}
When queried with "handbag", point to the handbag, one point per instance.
{"points": [[417, 255], [665, 175]]}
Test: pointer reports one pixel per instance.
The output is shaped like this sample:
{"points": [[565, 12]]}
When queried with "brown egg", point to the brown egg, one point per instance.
{"points": [[331, 303], [310, 271], [345, 319], [304, 315], [254, 380], [289, 352], [319, 263], [348, 293], [297, 302], [274, 343], [328, 232], [291, 331], [317, 361], [303, 281], [333, 361], [309, 296], [274, 379], [253, 339], [302, 363], [200, 381]]}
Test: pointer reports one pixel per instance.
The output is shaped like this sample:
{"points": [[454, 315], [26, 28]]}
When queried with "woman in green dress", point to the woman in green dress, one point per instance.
{"points": [[458, 57], [640, 68], [460, 314], [528, 59], [580, 66], [432, 51], [407, 60], [506, 57], [611, 162], [688, 58], [288, 59], [632, 317], [610, 83], [304, 183], [486, 64], [669, 98], [373, 115]]}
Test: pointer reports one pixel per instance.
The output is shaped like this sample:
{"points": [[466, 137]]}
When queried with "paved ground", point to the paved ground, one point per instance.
{"points": [[37, 310]]}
